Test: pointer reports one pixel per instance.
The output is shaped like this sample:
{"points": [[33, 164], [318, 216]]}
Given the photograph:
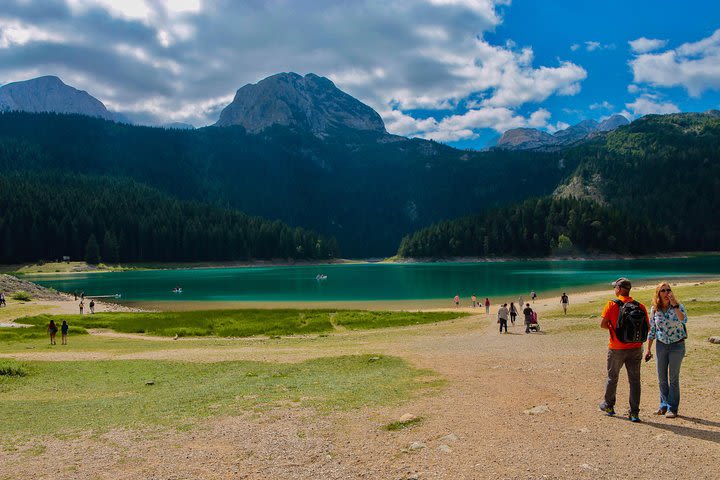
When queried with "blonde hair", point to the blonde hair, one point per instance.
{"points": [[656, 302]]}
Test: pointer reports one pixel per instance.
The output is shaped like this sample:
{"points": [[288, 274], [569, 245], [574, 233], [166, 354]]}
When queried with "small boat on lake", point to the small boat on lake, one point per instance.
{"points": [[321, 276], [177, 290]]}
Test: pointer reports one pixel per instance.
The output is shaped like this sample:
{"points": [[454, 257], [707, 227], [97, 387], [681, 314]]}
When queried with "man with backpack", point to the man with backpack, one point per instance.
{"points": [[628, 324]]}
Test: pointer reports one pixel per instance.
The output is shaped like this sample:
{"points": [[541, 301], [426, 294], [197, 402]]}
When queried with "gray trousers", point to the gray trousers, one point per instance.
{"points": [[632, 359]]}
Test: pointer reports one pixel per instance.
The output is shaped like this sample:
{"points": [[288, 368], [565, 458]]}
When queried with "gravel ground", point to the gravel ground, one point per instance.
{"points": [[478, 426]]}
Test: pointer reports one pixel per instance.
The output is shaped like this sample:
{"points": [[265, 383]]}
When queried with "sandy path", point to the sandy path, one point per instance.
{"points": [[492, 380]]}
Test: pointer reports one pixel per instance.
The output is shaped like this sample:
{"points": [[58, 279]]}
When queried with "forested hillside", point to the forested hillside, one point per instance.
{"points": [[367, 189], [649, 187], [47, 216]]}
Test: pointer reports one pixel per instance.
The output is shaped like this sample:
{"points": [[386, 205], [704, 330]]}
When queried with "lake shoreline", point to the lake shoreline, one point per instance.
{"points": [[348, 261]]}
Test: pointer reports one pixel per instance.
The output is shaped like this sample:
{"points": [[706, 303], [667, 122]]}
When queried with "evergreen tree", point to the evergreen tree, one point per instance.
{"points": [[111, 250], [92, 250]]}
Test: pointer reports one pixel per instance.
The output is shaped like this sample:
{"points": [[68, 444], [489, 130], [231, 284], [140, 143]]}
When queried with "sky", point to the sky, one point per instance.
{"points": [[459, 72]]}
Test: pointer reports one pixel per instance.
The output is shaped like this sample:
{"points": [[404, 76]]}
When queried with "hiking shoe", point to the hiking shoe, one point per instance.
{"points": [[609, 411], [661, 411], [670, 414], [634, 417]]}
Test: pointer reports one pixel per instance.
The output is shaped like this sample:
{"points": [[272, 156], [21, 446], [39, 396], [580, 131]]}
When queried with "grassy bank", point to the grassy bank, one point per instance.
{"points": [[236, 323], [66, 397]]}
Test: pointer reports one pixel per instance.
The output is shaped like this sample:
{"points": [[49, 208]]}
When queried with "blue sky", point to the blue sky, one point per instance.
{"points": [[457, 71]]}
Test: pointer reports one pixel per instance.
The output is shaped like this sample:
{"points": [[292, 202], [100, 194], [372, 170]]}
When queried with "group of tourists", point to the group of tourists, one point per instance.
{"points": [[630, 325], [53, 329], [511, 312], [81, 306]]}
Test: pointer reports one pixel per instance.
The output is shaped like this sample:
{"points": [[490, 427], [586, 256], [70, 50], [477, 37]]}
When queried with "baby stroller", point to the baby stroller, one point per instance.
{"points": [[534, 325]]}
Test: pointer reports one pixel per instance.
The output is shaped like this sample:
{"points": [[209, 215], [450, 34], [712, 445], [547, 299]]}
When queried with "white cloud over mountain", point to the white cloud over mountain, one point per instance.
{"points": [[179, 60]]}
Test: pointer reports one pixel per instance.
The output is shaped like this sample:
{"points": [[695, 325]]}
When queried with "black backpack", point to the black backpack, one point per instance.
{"points": [[632, 325]]}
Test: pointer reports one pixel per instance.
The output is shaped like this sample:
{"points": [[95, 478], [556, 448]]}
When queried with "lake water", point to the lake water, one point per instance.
{"points": [[367, 282]]}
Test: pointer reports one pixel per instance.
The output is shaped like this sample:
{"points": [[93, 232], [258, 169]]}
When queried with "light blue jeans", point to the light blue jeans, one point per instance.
{"points": [[669, 359]]}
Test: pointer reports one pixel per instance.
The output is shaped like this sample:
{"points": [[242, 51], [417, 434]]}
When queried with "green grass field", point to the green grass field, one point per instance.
{"points": [[234, 323], [55, 398]]}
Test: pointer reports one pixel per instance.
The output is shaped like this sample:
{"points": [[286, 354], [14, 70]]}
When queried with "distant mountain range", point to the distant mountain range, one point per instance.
{"points": [[309, 102], [534, 139]]}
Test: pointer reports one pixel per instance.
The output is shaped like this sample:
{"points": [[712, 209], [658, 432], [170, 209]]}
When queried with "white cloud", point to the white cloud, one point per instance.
{"points": [[605, 105], [591, 46], [557, 127], [15, 33], [574, 47], [169, 57], [694, 66], [647, 104], [632, 88], [645, 45]]}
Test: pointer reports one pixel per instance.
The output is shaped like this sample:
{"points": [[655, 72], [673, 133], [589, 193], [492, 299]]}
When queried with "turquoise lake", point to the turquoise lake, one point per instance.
{"points": [[367, 282]]}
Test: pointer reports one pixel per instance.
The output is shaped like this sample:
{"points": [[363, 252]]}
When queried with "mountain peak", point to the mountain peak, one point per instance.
{"points": [[311, 102], [50, 94]]}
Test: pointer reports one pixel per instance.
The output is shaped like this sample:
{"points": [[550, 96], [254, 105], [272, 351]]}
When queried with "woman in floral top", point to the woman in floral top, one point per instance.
{"points": [[667, 326]]}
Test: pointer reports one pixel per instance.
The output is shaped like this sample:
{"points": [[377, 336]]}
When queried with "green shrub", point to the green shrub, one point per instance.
{"points": [[21, 296], [12, 369]]}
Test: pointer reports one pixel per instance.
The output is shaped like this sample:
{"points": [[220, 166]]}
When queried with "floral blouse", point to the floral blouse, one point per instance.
{"points": [[666, 327]]}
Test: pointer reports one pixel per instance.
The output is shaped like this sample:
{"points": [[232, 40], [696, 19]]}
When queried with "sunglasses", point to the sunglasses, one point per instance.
{"points": [[663, 290]]}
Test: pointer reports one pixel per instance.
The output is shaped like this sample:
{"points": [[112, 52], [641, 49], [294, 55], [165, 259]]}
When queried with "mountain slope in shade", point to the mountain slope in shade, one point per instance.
{"points": [[50, 94], [310, 103]]}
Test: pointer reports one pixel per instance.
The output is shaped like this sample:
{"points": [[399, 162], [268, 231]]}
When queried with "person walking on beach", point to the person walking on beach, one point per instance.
{"points": [[81, 306], [528, 312], [474, 300], [52, 330], [521, 302], [667, 327], [564, 300], [64, 331], [627, 321], [92, 306], [457, 300], [513, 312], [503, 317], [533, 296], [487, 305]]}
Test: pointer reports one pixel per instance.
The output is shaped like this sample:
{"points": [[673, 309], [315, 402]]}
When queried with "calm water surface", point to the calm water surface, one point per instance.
{"points": [[363, 282]]}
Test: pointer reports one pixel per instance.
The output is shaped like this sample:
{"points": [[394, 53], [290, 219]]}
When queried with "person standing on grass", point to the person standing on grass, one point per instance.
{"points": [[667, 326], [513, 312], [52, 330], [503, 317], [620, 350], [64, 331], [564, 300], [528, 312], [81, 306], [487, 305], [92, 306], [2, 300]]}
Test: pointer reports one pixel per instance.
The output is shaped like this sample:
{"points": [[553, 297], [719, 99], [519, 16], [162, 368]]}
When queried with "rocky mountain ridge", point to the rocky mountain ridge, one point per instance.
{"points": [[288, 99], [534, 139], [50, 94]]}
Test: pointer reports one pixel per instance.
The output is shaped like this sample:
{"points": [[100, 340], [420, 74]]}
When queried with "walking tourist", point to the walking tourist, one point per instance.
{"points": [[667, 328], [457, 300], [64, 331], [2, 300], [52, 330], [528, 312], [513, 312], [503, 317], [81, 306], [92, 306], [533, 296], [474, 300], [487, 305], [564, 300], [628, 324]]}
